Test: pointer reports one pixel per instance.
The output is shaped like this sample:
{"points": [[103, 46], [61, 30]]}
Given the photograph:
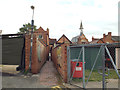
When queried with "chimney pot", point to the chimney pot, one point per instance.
{"points": [[109, 33], [103, 35]]}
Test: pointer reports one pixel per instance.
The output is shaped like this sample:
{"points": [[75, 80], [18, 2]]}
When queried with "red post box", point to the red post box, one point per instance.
{"points": [[78, 73]]}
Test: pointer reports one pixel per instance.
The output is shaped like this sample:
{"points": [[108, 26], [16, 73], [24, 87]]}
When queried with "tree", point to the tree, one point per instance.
{"points": [[26, 27]]}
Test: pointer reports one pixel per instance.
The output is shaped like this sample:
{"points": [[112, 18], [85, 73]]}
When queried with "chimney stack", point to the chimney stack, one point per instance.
{"points": [[109, 33], [93, 38], [48, 31], [104, 35]]}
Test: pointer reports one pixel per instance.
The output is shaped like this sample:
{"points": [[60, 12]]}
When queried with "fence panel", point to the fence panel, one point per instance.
{"points": [[12, 49], [90, 55], [101, 65]]}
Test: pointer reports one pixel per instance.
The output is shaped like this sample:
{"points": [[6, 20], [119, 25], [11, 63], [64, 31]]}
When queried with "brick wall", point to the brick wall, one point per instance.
{"points": [[27, 51], [40, 56], [59, 57]]}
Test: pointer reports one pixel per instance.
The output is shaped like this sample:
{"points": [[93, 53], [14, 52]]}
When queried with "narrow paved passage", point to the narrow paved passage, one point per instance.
{"points": [[49, 75]]}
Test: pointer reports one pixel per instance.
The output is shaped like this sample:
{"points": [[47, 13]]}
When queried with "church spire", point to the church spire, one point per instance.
{"points": [[81, 28]]}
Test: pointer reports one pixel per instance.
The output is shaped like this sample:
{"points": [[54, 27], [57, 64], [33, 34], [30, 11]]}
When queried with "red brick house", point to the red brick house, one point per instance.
{"points": [[113, 51], [80, 39], [63, 39], [43, 35], [106, 39]]}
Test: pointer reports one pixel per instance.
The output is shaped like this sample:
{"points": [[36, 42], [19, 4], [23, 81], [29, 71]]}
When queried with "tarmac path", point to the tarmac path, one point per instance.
{"points": [[47, 78]]}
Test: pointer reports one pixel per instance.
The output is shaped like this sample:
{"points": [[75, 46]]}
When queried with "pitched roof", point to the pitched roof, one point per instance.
{"points": [[94, 41], [65, 37], [116, 38], [40, 30]]}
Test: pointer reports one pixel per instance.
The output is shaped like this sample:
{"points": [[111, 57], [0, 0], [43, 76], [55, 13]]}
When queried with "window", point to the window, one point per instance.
{"points": [[40, 36]]}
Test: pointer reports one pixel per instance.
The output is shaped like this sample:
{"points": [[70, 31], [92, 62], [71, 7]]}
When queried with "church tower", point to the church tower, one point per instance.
{"points": [[80, 39], [81, 28]]}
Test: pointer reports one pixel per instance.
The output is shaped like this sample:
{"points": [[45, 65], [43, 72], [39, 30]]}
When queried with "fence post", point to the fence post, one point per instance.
{"points": [[83, 66], [111, 59], [103, 67]]}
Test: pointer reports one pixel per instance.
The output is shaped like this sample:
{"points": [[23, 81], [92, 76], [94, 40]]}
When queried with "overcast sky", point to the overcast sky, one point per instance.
{"points": [[61, 16]]}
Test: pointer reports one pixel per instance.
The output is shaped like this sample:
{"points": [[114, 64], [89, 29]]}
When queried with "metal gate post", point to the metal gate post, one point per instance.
{"points": [[103, 67], [68, 64], [83, 66], [1, 61], [111, 59]]}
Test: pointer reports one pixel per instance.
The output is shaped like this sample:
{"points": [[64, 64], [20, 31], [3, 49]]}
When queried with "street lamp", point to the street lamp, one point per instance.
{"points": [[32, 26], [32, 21]]}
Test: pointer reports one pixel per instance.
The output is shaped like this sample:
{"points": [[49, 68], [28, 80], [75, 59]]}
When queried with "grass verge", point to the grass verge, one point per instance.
{"points": [[95, 76]]}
